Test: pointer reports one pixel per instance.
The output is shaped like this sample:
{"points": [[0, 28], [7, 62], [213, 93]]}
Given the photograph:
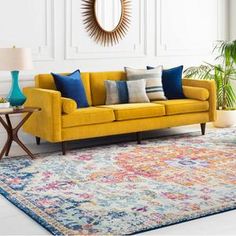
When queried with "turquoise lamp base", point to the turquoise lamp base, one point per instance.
{"points": [[15, 96]]}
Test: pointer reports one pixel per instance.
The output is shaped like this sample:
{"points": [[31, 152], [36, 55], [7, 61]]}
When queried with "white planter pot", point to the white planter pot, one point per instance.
{"points": [[225, 119], [4, 105]]}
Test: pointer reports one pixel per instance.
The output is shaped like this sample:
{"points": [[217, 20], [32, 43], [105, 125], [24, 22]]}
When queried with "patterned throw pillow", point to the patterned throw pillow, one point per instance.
{"points": [[172, 82], [154, 88], [119, 92]]}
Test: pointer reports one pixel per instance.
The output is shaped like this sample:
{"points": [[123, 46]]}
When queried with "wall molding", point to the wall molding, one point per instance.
{"points": [[163, 49], [46, 51], [76, 51]]}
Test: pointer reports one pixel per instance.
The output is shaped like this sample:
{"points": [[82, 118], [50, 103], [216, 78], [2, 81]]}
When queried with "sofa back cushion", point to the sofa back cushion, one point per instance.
{"points": [[97, 83], [46, 81]]}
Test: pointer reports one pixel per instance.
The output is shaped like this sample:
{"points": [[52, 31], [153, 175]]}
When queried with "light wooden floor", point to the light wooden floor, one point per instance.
{"points": [[15, 222]]}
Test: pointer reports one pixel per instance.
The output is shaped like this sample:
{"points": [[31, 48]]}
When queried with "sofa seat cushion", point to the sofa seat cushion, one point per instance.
{"points": [[88, 116], [136, 110], [181, 106]]}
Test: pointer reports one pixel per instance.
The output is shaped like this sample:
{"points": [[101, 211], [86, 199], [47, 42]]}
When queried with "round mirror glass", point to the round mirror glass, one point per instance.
{"points": [[108, 13]]}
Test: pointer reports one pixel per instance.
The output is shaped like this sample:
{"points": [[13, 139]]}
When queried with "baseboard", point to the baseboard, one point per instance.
{"points": [[25, 138]]}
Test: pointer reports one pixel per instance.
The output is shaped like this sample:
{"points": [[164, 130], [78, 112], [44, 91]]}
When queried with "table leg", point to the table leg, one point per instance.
{"points": [[17, 140], [8, 147], [4, 149], [13, 135], [9, 137]]}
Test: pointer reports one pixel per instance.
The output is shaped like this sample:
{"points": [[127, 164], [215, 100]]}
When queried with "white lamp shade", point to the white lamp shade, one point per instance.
{"points": [[15, 59]]}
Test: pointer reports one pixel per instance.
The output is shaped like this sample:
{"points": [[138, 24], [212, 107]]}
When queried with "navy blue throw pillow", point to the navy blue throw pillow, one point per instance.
{"points": [[71, 86], [172, 82]]}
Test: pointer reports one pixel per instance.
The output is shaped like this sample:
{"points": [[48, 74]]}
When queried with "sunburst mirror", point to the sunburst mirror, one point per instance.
{"points": [[107, 21]]}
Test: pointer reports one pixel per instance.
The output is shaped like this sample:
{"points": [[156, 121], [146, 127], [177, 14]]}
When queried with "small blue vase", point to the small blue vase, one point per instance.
{"points": [[15, 96]]}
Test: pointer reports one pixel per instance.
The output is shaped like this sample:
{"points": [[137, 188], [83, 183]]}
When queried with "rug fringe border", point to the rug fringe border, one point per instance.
{"points": [[204, 215], [30, 213], [54, 231]]}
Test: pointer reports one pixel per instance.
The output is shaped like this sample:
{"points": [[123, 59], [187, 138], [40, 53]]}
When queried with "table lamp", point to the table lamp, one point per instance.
{"points": [[14, 60]]}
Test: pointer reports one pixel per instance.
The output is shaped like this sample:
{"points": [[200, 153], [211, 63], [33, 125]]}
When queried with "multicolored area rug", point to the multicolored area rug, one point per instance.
{"points": [[127, 188]]}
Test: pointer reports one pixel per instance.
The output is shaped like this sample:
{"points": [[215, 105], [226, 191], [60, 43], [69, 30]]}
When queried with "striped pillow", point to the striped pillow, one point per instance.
{"points": [[119, 92], [154, 88]]}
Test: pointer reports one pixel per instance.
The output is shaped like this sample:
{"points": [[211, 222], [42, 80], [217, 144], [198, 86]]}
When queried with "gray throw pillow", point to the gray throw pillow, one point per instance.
{"points": [[137, 91], [154, 88], [112, 96]]}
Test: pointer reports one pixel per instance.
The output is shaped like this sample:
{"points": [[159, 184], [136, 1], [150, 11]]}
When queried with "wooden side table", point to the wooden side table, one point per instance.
{"points": [[13, 132]]}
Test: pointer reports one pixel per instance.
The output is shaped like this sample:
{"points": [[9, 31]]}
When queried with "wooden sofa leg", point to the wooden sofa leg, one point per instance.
{"points": [[203, 128], [63, 148], [37, 140], [139, 137]]}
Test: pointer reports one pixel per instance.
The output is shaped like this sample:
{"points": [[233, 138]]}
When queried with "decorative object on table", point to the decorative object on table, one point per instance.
{"points": [[104, 25], [124, 188], [13, 132], [223, 72], [4, 103], [71, 86], [172, 82], [14, 60], [153, 79], [120, 92]]}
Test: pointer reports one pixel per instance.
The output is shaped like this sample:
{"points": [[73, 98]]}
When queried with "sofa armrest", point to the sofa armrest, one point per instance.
{"points": [[46, 123], [211, 87]]}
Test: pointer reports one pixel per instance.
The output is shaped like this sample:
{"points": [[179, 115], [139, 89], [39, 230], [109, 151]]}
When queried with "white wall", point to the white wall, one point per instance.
{"points": [[168, 32], [232, 19], [232, 23]]}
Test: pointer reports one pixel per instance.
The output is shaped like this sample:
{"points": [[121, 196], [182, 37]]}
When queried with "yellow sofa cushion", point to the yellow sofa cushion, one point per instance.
{"points": [[181, 106], [46, 81], [68, 105], [136, 110], [88, 116], [98, 90], [201, 94]]}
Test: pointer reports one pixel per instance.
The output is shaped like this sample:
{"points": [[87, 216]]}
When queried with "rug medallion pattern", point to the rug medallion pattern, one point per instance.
{"points": [[126, 188]]}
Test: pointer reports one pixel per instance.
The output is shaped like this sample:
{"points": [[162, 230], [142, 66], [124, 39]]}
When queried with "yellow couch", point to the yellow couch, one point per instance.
{"points": [[60, 120]]}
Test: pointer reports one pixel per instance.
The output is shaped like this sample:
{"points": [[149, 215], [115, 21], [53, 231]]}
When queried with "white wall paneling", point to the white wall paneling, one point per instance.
{"points": [[30, 23], [232, 19], [190, 28], [232, 23], [79, 46]]}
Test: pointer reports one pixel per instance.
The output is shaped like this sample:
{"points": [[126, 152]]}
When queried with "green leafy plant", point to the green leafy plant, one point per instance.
{"points": [[223, 72], [3, 100]]}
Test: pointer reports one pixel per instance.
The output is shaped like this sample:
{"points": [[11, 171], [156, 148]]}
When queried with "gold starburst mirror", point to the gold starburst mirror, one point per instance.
{"points": [[107, 21]]}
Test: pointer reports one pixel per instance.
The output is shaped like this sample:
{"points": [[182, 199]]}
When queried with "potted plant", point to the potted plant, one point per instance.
{"points": [[223, 72], [4, 103]]}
